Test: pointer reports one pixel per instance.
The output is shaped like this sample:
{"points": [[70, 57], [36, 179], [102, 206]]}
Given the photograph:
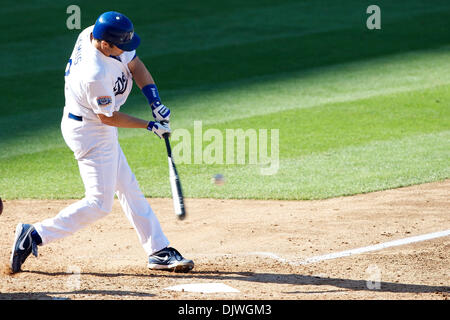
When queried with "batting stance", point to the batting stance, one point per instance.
{"points": [[98, 80]]}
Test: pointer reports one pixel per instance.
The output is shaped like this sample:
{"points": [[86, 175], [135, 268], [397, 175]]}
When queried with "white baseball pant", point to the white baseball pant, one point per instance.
{"points": [[105, 172]]}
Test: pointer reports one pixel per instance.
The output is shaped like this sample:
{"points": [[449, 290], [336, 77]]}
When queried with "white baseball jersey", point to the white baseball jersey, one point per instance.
{"points": [[95, 83]]}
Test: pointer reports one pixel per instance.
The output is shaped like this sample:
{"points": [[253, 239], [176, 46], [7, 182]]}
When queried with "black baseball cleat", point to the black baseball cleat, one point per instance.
{"points": [[169, 259], [23, 246]]}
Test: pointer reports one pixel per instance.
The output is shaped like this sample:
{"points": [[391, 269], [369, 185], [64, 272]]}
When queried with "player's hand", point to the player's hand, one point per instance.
{"points": [[158, 128], [160, 112]]}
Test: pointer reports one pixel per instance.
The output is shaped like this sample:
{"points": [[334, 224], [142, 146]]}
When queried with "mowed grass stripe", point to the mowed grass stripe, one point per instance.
{"points": [[384, 117], [42, 67], [343, 83], [38, 130], [315, 132], [338, 125], [216, 29], [377, 165]]}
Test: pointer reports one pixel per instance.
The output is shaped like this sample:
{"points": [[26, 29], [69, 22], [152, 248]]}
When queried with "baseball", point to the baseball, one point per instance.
{"points": [[218, 179]]}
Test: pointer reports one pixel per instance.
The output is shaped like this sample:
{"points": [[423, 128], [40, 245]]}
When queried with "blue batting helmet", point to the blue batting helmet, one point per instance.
{"points": [[117, 29]]}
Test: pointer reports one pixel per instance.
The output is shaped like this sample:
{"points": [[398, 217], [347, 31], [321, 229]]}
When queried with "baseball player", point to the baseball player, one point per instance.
{"points": [[98, 80]]}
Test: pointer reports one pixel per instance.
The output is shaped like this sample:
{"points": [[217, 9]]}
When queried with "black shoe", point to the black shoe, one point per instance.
{"points": [[169, 259], [23, 246]]}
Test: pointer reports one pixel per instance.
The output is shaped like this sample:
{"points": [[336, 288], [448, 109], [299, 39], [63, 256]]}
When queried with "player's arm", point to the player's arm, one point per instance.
{"points": [[123, 120], [102, 100], [145, 82], [141, 75]]}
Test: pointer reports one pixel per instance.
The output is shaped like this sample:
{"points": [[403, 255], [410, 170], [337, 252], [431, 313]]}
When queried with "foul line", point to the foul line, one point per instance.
{"points": [[351, 252]]}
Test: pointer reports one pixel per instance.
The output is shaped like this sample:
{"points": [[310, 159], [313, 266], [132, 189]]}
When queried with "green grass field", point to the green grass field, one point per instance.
{"points": [[357, 110]]}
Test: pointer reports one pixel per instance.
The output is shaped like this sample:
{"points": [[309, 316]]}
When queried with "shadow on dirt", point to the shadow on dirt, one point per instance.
{"points": [[341, 285], [302, 280], [83, 294]]}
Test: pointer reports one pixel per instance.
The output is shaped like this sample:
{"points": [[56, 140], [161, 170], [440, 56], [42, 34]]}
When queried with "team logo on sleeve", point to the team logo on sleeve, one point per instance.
{"points": [[121, 85], [104, 101]]}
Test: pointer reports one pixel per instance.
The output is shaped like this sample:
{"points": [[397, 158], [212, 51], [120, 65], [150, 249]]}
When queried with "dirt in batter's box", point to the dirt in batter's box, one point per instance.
{"points": [[255, 247]]}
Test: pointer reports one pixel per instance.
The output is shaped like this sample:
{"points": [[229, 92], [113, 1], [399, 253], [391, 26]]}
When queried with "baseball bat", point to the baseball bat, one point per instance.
{"points": [[175, 184]]}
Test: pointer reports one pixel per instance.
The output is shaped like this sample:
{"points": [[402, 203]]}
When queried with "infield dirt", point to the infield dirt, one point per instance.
{"points": [[249, 245]]}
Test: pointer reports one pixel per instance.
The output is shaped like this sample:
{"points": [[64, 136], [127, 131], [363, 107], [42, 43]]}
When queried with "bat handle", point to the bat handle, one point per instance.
{"points": [[169, 149]]}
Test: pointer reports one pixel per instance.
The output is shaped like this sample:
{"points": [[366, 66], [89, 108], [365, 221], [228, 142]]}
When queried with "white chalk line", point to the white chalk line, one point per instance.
{"points": [[379, 246], [351, 252], [341, 254]]}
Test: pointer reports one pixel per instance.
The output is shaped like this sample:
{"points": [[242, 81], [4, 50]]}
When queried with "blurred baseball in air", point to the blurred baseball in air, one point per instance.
{"points": [[218, 179]]}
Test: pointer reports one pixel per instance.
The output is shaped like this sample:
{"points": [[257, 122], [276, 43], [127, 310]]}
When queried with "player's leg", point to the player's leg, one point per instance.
{"points": [[99, 177], [97, 155], [141, 216], [137, 209], [96, 204]]}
